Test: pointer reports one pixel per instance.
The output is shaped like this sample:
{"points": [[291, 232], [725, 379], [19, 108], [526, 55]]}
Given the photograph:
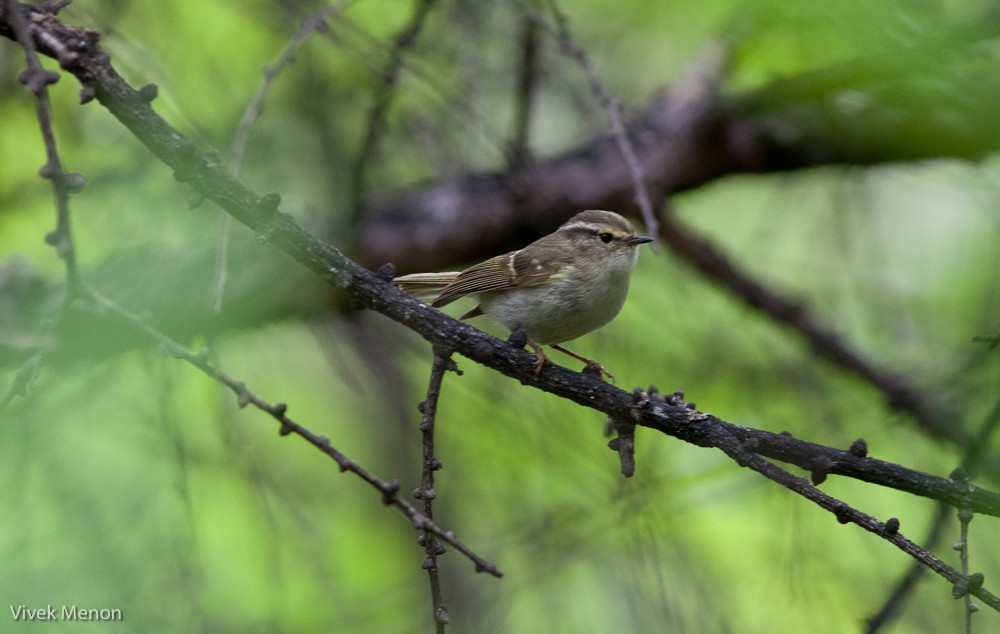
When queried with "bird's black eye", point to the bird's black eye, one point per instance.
{"points": [[605, 237]]}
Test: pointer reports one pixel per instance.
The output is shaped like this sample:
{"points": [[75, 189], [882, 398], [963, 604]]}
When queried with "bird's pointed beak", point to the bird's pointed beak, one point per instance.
{"points": [[634, 241]]}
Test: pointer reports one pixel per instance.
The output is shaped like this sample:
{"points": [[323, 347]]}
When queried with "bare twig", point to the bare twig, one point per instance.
{"points": [[904, 587], [962, 546], [527, 79], [902, 590], [746, 455], [962, 583], [560, 31], [36, 79], [23, 378], [679, 139], [624, 446], [278, 411], [962, 590], [383, 99], [312, 23], [428, 80], [426, 493]]}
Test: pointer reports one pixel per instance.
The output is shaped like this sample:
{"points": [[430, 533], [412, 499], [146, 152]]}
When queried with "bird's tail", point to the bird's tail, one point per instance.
{"points": [[425, 285]]}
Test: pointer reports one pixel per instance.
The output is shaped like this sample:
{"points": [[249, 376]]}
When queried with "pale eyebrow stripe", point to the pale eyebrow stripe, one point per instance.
{"points": [[577, 226]]}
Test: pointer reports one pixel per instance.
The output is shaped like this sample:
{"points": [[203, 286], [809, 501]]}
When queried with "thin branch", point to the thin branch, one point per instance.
{"points": [[406, 37], [962, 584], [560, 31], [428, 79], [746, 455], [23, 378], [278, 411], [36, 79], [524, 97], [427, 493], [962, 546], [903, 589], [312, 23], [907, 583]]}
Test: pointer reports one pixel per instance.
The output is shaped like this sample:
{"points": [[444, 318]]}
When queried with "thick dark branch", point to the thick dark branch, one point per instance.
{"points": [[704, 430]]}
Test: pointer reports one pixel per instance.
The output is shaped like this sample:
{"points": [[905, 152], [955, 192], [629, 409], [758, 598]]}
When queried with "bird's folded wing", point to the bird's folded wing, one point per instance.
{"points": [[425, 285]]}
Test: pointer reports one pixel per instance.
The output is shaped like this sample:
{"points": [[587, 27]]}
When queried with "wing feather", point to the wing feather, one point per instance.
{"points": [[528, 267], [492, 275]]}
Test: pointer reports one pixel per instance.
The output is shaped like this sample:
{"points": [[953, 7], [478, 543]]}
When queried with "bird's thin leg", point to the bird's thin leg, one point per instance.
{"points": [[590, 362], [540, 358]]}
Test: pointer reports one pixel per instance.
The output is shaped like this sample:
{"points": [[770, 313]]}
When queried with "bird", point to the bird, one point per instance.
{"points": [[560, 287]]}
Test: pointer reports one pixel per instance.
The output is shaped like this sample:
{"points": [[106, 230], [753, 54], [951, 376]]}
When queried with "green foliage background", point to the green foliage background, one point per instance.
{"points": [[129, 480]]}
